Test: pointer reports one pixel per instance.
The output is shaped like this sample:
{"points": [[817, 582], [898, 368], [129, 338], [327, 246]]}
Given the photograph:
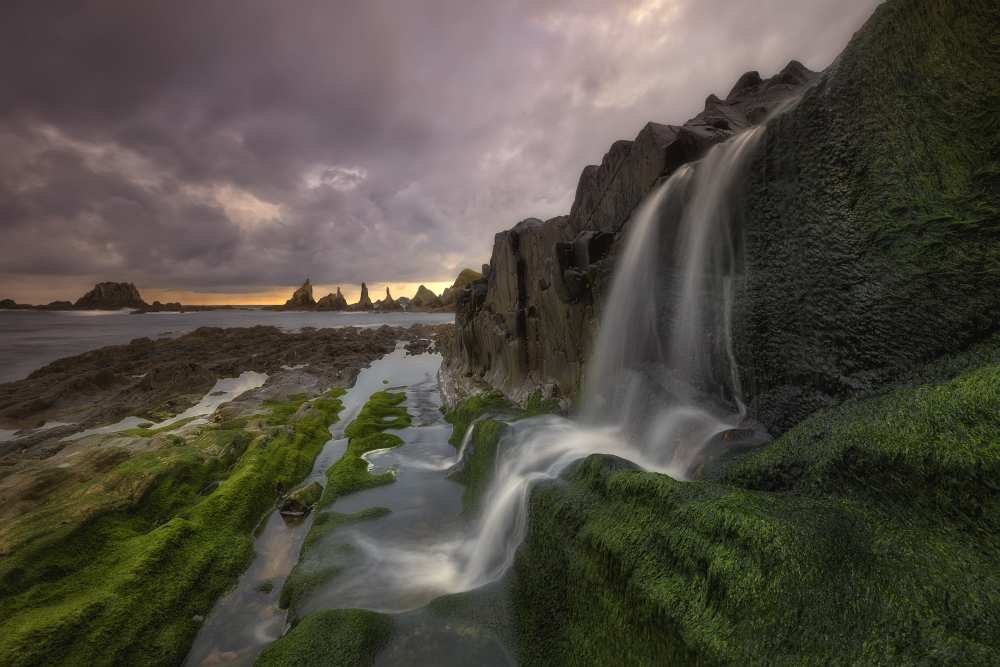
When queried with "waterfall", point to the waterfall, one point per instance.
{"points": [[662, 387], [663, 368], [662, 383]]}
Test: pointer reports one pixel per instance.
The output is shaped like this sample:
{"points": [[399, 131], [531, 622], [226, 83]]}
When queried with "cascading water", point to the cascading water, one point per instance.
{"points": [[661, 386], [662, 382]]}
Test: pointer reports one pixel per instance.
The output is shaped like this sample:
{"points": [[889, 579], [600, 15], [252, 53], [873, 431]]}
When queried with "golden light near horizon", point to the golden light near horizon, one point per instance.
{"points": [[278, 295]]}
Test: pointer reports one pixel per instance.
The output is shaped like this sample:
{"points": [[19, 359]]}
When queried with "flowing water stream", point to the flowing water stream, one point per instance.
{"points": [[662, 391]]}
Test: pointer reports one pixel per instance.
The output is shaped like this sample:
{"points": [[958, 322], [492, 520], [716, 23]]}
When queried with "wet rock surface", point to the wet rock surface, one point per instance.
{"points": [[155, 379], [530, 322]]}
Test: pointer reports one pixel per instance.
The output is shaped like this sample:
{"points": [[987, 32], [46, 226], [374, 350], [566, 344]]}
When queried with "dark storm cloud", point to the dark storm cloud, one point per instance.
{"points": [[225, 144]]}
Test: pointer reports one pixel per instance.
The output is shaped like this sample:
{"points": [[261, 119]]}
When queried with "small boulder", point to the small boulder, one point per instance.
{"points": [[300, 502]]}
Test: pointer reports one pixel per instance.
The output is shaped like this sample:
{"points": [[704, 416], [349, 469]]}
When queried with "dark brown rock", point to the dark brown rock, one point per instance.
{"points": [[332, 302], [364, 301], [529, 325], [110, 296], [424, 299], [302, 297]]}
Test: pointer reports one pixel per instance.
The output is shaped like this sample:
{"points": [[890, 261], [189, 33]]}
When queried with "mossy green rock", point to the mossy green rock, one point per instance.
{"points": [[127, 584], [301, 501], [332, 638], [479, 464], [868, 534], [872, 213]]}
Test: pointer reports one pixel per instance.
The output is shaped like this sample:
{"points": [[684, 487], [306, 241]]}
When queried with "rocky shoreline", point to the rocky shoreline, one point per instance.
{"points": [[155, 379]]}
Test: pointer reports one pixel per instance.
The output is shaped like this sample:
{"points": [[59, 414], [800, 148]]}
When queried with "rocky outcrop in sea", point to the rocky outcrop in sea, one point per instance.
{"points": [[388, 304], [332, 302], [302, 297], [108, 296], [364, 301]]}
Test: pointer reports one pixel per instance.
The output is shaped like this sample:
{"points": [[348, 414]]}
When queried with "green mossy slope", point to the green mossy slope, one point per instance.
{"points": [[869, 534], [366, 433], [124, 587], [331, 638], [872, 213]]}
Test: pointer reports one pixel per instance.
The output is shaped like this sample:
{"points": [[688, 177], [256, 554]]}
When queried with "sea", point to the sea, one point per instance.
{"points": [[30, 339]]}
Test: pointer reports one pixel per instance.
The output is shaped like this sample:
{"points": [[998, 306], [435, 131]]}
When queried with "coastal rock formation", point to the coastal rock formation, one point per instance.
{"points": [[302, 297], [855, 233], [465, 278], [424, 299], [364, 301], [332, 302], [529, 324], [108, 296], [388, 303]]}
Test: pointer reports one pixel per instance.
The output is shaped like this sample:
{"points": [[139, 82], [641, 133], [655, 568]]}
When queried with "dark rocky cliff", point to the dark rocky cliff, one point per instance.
{"points": [[870, 225]]}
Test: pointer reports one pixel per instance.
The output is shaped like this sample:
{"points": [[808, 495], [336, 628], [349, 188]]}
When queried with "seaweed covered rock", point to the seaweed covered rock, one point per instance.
{"points": [[331, 638], [867, 534], [872, 214], [301, 501]]}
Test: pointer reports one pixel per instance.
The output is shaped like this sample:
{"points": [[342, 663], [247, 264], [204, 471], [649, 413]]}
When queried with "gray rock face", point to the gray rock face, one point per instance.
{"points": [[529, 324], [110, 296], [302, 297], [869, 237], [332, 302]]}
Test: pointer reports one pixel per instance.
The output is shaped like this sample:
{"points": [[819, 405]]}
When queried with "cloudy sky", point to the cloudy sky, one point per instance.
{"points": [[224, 150]]}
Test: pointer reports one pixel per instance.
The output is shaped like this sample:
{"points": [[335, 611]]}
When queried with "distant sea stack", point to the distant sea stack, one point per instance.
{"points": [[332, 302], [425, 299], [364, 302], [388, 303], [302, 297], [110, 296]]}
